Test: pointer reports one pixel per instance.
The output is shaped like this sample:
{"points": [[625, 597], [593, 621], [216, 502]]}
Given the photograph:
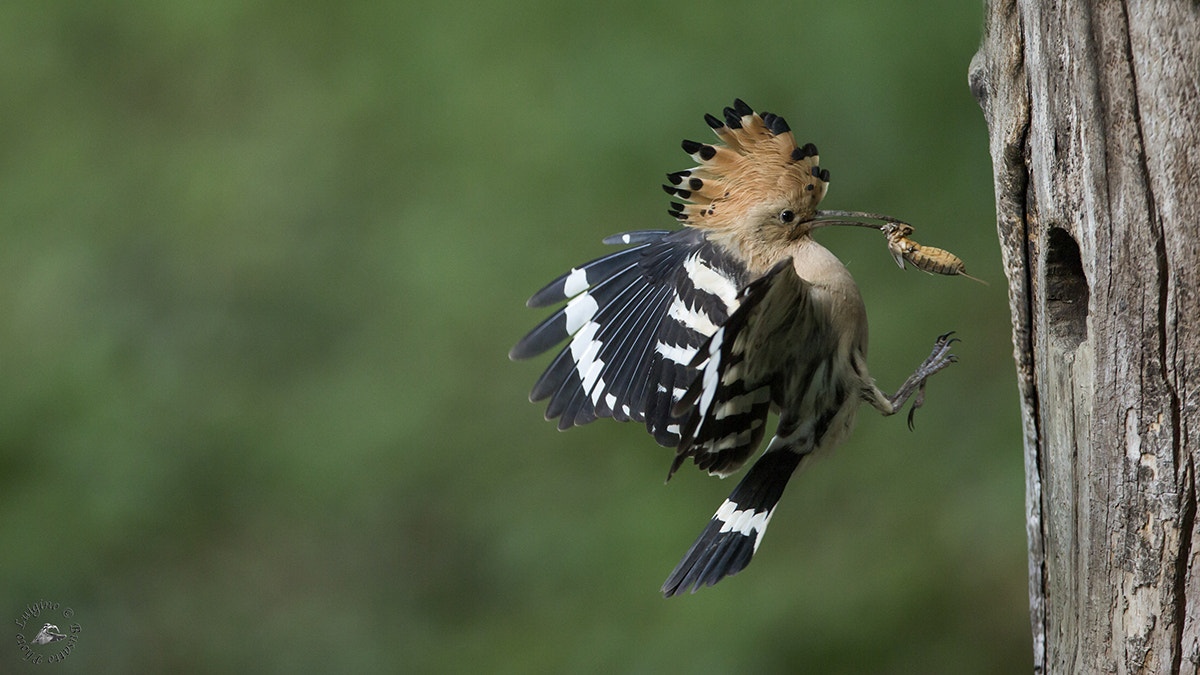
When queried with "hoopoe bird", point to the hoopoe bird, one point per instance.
{"points": [[700, 332]]}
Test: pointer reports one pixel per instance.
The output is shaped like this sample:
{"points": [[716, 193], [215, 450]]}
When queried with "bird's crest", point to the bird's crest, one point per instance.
{"points": [[757, 162]]}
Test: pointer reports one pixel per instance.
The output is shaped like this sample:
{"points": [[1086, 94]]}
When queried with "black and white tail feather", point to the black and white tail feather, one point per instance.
{"points": [[732, 536], [810, 387], [701, 332]]}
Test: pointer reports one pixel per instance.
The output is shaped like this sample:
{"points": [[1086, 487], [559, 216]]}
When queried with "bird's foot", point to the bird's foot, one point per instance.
{"points": [[939, 359]]}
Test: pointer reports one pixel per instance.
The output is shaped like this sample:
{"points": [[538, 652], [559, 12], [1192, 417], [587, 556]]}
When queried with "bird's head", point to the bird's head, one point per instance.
{"points": [[756, 190]]}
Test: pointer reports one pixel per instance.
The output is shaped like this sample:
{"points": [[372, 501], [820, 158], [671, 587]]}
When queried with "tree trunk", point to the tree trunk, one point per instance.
{"points": [[1093, 109]]}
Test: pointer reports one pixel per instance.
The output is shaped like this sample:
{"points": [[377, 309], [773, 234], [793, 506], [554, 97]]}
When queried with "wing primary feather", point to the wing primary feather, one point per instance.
{"points": [[636, 237], [554, 378], [613, 352], [582, 308], [580, 278], [577, 391], [623, 353], [633, 376]]}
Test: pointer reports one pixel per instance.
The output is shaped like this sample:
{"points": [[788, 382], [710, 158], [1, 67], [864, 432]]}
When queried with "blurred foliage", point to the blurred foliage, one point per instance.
{"points": [[262, 265]]}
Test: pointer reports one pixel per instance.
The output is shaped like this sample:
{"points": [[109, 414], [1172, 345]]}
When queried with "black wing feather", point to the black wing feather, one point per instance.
{"points": [[619, 320], [725, 413]]}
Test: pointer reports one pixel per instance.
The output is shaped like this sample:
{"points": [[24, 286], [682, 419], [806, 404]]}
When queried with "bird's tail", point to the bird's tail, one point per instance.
{"points": [[732, 536]]}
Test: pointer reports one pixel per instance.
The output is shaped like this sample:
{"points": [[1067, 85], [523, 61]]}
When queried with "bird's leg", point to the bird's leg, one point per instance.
{"points": [[940, 358]]}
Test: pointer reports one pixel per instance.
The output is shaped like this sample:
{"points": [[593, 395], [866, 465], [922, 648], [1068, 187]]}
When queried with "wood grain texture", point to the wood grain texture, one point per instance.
{"points": [[1093, 112]]}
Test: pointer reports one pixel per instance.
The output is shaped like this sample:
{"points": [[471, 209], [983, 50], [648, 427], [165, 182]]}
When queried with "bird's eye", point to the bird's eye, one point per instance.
{"points": [[787, 215]]}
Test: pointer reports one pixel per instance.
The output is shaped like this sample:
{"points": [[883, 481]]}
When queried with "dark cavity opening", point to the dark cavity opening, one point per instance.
{"points": [[1067, 291]]}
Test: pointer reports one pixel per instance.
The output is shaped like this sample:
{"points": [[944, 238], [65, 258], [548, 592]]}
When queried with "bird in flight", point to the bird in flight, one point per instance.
{"points": [[701, 332]]}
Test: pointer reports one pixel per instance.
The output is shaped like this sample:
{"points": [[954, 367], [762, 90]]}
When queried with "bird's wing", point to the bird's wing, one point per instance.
{"points": [[635, 319], [725, 408]]}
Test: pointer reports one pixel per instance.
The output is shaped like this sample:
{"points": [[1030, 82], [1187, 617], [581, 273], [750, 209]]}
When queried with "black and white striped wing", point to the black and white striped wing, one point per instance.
{"points": [[635, 320], [726, 407]]}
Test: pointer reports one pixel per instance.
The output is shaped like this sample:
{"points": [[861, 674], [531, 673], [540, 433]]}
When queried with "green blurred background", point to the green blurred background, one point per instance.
{"points": [[262, 266]]}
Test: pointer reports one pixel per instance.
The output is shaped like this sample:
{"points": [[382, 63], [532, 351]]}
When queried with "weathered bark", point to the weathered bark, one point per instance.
{"points": [[1093, 109]]}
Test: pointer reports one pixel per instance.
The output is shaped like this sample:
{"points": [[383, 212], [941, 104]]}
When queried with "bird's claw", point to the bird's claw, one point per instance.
{"points": [[939, 359]]}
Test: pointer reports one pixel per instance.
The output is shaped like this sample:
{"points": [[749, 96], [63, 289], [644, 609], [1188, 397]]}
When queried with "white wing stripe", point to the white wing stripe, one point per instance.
{"points": [[575, 283], [709, 280], [584, 350], [733, 440], [680, 355], [694, 318], [711, 373], [732, 373], [579, 312], [742, 404]]}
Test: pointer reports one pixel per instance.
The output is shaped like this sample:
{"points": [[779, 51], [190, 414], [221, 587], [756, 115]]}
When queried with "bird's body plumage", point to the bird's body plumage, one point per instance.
{"points": [[701, 332]]}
